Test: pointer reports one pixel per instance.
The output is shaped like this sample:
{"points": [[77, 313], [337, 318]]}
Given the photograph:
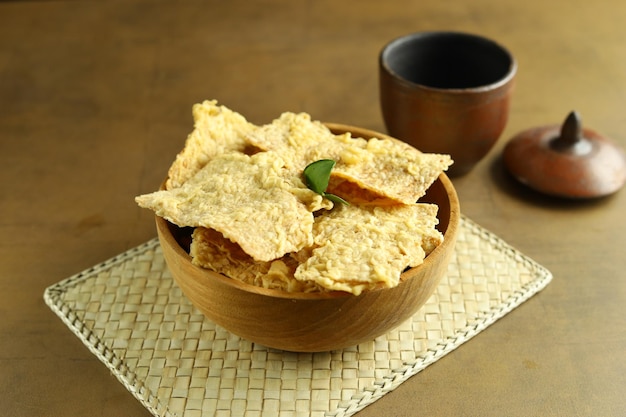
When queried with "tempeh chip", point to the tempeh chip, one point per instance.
{"points": [[217, 129], [292, 135], [211, 250], [251, 200], [391, 169], [363, 248]]}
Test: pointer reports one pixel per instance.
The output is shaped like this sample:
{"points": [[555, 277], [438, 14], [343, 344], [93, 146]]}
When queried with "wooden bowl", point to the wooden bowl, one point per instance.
{"points": [[314, 322]]}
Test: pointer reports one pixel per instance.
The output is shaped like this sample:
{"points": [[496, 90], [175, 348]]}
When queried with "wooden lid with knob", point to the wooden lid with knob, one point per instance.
{"points": [[566, 161]]}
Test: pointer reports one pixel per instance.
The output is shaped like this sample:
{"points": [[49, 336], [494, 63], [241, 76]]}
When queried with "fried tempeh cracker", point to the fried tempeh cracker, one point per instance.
{"points": [[211, 250], [217, 130], [251, 200], [359, 248]]}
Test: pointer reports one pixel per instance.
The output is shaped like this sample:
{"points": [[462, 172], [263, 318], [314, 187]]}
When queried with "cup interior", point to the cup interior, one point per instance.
{"points": [[448, 60]]}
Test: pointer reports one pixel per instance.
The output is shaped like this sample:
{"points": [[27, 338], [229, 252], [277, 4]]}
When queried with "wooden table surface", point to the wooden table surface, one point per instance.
{"points": [[95, 101]]}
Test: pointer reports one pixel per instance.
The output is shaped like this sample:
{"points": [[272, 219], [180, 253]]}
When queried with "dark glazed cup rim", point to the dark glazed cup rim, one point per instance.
{"points": [[507, 63]]}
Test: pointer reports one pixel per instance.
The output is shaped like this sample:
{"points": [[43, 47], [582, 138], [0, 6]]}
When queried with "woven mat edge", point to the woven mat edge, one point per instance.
{"points": [[397, 377], [117, 366], [106, 355]]}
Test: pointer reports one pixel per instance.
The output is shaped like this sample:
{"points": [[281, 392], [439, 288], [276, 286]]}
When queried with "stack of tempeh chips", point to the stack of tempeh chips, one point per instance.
{"points": [[240, 186]]}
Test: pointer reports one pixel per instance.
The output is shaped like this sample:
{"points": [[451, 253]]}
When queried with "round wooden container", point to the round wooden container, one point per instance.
{"points": [[313, 322]]}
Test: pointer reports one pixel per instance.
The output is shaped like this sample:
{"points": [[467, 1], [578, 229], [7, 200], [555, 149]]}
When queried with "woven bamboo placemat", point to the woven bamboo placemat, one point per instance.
{"points": [[130, 314]]}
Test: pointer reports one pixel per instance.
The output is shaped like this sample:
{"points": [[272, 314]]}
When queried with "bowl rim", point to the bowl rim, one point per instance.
{"points": [[165, 233]]}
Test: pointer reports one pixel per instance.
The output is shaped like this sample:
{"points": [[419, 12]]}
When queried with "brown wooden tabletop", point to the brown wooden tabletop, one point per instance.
{"points": [[95, 101]]}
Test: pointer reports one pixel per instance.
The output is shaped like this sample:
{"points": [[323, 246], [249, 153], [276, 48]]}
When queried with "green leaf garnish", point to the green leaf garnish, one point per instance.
{"points": [[317, 176]]}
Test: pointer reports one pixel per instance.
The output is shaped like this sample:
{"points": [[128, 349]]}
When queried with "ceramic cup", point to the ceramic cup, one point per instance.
{"points": [[446, 92]]}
